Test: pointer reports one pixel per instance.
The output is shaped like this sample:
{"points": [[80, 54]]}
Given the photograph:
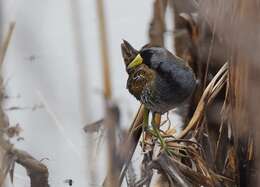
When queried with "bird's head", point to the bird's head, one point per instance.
{"points": [[149, 56], [134, 57]]}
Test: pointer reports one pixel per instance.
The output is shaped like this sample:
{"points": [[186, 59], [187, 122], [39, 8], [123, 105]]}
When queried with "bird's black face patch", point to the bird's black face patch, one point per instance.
{"points": [[147, 54]]}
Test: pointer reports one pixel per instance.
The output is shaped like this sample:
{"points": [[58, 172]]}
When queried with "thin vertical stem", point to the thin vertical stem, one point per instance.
{"points": [[6, 42], [104, 49]]}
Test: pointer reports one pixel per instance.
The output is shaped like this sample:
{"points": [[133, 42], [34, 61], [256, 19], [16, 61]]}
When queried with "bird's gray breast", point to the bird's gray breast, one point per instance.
{"points": [[154, 100]]}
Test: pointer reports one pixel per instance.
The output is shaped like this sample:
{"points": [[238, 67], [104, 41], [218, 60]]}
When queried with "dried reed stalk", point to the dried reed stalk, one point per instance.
{"points": [[157, 25], [104, 49], [6, 42]]}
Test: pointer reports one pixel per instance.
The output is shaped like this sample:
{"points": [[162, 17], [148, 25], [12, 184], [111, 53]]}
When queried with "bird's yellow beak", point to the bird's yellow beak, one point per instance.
{"points": [[137, 61]]}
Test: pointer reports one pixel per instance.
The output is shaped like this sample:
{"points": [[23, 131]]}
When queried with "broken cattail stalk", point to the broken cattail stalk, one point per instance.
{"points": [[36, 170]]}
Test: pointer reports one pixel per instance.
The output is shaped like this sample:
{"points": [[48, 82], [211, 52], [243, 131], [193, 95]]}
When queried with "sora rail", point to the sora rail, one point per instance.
{"points": [[159, 79]]}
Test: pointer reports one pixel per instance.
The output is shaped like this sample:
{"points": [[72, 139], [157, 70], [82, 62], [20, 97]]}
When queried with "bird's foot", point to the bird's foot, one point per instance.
{"points": [[164, 146], [156, 133]]}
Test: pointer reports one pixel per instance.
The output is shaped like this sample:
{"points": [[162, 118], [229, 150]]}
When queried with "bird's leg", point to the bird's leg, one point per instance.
{"points": [[145, 125], [156, 127]]}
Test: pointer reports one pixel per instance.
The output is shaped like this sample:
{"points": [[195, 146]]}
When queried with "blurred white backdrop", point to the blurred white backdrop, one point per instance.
{"points": [[42, 68]]}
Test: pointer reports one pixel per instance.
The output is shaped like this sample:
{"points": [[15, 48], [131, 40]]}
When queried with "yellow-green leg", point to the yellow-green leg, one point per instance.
{"points": [[158, 135], [157, 131]]}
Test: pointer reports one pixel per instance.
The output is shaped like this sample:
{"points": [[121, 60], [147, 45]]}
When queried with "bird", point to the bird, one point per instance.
{"points": [[160, 80]]}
